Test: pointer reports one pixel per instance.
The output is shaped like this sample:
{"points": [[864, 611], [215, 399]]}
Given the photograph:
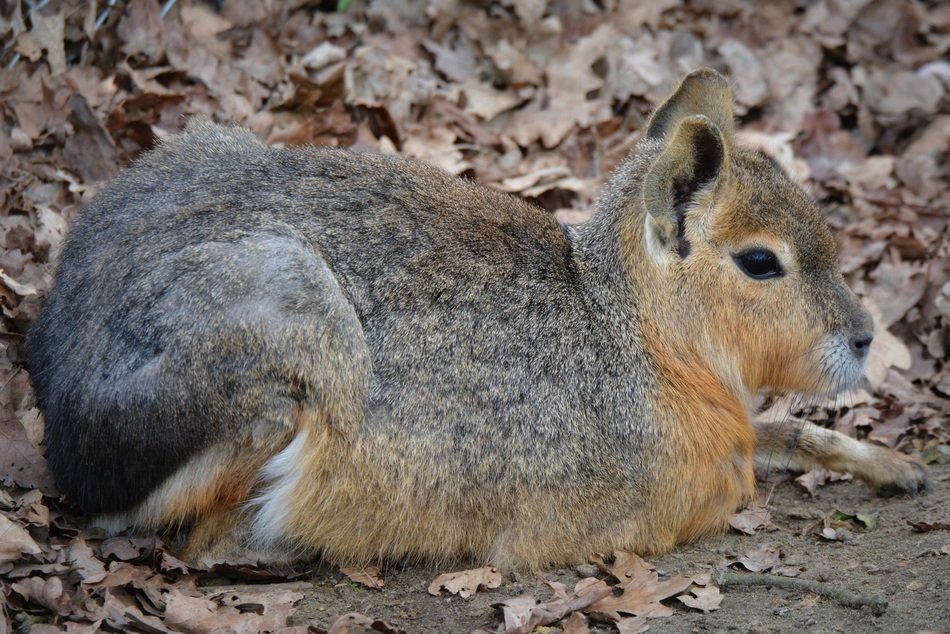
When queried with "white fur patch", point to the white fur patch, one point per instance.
{"points": [[271, 507], [840, 369], [656, 251]]}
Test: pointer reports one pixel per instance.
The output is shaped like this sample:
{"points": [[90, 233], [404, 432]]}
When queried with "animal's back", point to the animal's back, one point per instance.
{"points": [[213, 240]]}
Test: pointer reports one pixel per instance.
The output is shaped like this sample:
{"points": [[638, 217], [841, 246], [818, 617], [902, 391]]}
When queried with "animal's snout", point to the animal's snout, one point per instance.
{"points": [[861, 343]]}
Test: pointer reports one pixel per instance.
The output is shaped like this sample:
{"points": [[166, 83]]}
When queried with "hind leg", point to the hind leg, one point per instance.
{"points": [[802, 446], [274, 350]]}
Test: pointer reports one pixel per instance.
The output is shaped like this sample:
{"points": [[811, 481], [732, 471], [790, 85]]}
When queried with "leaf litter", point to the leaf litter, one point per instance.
{"points": [[536, 98]]}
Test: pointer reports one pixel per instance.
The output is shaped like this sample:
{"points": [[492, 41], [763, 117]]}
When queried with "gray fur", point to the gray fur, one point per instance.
{"points": [[219, 283]]}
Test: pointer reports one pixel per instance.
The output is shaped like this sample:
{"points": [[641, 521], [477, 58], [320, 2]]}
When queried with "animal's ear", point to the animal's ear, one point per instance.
{"points": [[703, 91], [695, 157]]}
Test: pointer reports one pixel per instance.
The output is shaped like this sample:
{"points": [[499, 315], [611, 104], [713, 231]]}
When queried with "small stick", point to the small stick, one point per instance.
{"points": [[878, 604]]}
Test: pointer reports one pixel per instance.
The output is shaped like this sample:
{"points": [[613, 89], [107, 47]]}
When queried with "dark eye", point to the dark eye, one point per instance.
{"points": [[759, 264]]}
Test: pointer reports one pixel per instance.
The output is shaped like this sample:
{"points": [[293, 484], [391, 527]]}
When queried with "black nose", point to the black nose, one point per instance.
{"points": [[861, 343]]}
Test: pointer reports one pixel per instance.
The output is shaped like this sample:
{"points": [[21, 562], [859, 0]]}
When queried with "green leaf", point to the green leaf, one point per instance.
{"points": [[938, 454], [866, 521], [343, 5]]}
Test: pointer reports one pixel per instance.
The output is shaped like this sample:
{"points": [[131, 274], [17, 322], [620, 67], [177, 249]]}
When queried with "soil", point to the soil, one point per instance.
{"points": [[905, 566]]}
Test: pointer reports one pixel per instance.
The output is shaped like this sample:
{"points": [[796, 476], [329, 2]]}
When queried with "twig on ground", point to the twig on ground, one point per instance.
{"points": [[877, 603]]}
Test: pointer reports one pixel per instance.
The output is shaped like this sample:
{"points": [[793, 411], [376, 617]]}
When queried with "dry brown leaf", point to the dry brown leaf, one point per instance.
{"points": [[745, 71], [576, 624], [236, 609], [47, 34], [751, 519], [48, 593], [465, 583], [517, 611], [141, 29], [641, 597], [898, 286], [122, 574], [457, 64], [367, 576], [342, 624], [893, 94], [632, 625], [89, 151], [121, 612], [128, 548], [523, 614], [924, 527], [439, 148], [192, 614], [84, 561], [812, 480], [23, 290], [888, 431], [788, 571], [625, 566], [762, 558], [20, 461], [485, 101], [706, 598]]}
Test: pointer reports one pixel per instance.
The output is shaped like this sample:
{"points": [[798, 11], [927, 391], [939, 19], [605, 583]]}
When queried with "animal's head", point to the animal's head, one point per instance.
{"points": [[746, 267]]}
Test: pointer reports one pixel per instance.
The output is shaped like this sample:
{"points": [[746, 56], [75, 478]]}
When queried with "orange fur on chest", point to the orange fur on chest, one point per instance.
{"points": [[707, 469]]}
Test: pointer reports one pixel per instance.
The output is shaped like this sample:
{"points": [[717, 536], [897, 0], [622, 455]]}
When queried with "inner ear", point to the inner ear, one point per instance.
{"points": [[694, 158], [707, 159]]}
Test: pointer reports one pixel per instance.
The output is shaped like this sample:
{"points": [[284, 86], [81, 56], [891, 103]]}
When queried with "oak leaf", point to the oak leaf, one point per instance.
{"points": [[465, 583]]}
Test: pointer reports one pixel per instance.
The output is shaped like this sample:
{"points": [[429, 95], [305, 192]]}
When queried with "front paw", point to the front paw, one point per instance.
{"points": [[893, 473]]}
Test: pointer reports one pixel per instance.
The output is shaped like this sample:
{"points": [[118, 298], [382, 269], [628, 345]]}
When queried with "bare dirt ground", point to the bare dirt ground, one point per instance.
{"points": [[904, 566]]}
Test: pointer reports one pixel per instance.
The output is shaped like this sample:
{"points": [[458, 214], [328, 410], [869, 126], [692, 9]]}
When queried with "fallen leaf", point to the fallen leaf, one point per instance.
{"points": [[866, 521], [632, 625], [367, 576], [516, 611], [762, 558], [924, 527], [886, 350], [751, 519], [524, 614], [706, 599], [745, 71], [48, 593], [89, 151], [888, 431], [128, 548], [48, 34], [625, 566], [90, 568], [938, 454], [642, 596], [576, 624], [21, 463], [198, 615], [816, 478], [466, 582], [342, 624], [140, 29], [898, 286]]}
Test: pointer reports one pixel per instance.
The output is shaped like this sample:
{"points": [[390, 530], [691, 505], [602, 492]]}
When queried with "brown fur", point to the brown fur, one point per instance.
{"points": [[360, 356]]}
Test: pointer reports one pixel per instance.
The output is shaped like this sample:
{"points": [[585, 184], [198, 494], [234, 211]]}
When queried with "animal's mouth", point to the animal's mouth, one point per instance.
{"points": [[837, 369]]}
